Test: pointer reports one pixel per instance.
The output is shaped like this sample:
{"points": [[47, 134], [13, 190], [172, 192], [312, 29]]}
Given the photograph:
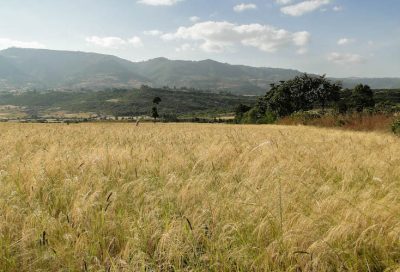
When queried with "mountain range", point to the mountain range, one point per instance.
{"points": [[68, 70]]}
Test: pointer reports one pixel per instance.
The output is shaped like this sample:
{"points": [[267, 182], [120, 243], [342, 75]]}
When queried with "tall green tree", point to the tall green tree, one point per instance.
{"points": [[154, 113], [240, 111], [323, 92], [362, 97], [156, 100], [344, 103], [300, 93], [154, 110]]}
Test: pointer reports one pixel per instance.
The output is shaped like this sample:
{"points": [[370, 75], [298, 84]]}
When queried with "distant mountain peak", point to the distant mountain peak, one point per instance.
{"points": [[24, 68], [159, 59], [211, 61]]}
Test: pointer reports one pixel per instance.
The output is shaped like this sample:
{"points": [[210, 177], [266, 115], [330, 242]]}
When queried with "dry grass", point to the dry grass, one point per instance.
{"points": [[10, 111], [358, 122], [184, 197]]}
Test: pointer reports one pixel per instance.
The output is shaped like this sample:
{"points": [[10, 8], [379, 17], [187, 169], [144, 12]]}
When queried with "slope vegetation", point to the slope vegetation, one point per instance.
{"points": [[50, 69], [127, 102]]}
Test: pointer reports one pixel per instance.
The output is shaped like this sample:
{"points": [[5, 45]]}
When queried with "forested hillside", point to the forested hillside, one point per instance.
{"points": [[127, 101], [29, 69]]}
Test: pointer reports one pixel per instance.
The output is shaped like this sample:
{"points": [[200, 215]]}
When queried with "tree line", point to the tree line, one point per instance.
{"points": [[304, 93]]}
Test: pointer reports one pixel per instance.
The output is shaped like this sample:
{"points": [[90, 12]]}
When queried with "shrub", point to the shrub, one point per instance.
{"points": [[385, 107], [356, 121], [268, 118], [251, 116], [240, 111], [362, 97], [339, 122], [396, 127], [305, 117]]}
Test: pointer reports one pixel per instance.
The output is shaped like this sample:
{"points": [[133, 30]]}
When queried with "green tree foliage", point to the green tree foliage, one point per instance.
{"points": [[240, 111], [323, 92], [359, 99], [344, 103], [154, 110], [362, 97], [396, 127], [154, 113], [301, 93], [156, 100], [278, 100], [386, 107], [251, 116]]}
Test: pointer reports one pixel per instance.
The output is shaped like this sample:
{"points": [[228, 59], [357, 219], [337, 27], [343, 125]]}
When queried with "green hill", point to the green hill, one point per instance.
{"points": [[126, 101], [66, 70]]}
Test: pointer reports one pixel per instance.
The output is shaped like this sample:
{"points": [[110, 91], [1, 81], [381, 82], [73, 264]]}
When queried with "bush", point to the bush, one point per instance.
{"points": [[385, 107], [268, 118], [250, 117], [305, 117], [240, 111], [396, 127], [340, 122]]}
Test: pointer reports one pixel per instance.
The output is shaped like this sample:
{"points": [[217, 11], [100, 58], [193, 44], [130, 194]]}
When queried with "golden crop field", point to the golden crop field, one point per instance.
{"points": [[186, 197]]}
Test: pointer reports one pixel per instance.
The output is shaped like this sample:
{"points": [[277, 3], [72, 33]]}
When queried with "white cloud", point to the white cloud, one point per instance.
{"points": [[243, 7], [159, 2], [108, 42], [114, 42], [213, 47], [194, 19], [345, 58], [135, 41], [185, 47], [153, 32], [337, 8], [302, 51], [301, 38], [304, 7], [345, 41], [6, 43], [283, 2], [218, 36]]}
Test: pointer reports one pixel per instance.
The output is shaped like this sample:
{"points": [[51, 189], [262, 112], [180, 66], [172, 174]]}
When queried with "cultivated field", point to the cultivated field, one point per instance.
{"points": [[184, 197]]}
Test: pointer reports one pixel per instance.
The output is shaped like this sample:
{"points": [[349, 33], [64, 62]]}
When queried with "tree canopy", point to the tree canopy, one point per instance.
{"points": [[362, 97], [156, 100], [300, 93]]}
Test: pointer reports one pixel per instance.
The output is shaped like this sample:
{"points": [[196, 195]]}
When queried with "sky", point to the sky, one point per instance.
{"points": [[341, 38]]}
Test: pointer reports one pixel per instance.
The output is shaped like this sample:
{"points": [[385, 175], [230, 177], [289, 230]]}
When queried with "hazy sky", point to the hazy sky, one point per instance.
{"points": [[337, 37]]}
